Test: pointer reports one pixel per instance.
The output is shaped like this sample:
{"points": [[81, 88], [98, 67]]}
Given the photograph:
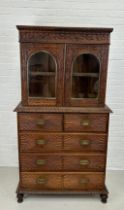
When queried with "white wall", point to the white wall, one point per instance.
{"points": [[94, 13]]}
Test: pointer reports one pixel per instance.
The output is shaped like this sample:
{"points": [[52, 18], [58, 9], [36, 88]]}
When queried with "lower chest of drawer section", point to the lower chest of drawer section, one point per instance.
{"points": [[67, 162], [38, 181]]}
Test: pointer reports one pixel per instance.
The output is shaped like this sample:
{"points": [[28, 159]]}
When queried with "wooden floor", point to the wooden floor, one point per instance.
{"points": [[8, 184]]}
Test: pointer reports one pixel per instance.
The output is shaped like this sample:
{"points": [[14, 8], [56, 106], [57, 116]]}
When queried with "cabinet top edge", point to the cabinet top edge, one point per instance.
{"points": [[69, 29]]}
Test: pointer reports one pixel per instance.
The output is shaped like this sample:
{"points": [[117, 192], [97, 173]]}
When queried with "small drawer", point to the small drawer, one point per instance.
{"points": [[84, 181], [40, 122], [84, 163], [37, 162], [40, 181], [40, 142], [85, 142], [85, 122]]}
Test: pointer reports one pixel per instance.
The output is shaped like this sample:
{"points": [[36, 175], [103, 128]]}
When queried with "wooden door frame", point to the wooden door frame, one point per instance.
{"points": [[72, 51], [57, 51]]}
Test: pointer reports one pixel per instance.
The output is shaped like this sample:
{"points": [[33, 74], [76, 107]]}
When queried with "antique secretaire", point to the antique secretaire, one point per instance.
{"points": [[62, 117]]}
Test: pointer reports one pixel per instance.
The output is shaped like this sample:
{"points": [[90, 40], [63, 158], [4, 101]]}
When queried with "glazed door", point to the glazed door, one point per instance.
{"points": [[86, 67], [42, 74]]}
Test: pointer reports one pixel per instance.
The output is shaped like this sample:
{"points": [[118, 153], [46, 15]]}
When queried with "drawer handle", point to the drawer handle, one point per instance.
{"points": [[84, 142], [84, 181], [41, 180], [85, 122], [40, 122], [40, 141], [84, 162], [40, 162]]}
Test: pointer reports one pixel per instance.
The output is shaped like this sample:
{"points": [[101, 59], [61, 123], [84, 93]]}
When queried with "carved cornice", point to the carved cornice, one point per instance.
{"points": [[64, 35]]}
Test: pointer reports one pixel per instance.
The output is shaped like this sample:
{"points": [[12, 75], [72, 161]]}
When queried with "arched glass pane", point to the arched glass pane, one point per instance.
{"points": [[41, 75], [85, 76]]}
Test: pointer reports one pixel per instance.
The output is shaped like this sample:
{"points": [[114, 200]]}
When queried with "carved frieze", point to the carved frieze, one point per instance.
{"points": [[64, 37]]}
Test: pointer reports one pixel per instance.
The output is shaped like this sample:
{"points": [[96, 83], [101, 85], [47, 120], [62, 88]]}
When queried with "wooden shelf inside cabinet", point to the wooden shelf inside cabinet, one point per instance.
{"points": [[85, 75], [42, 73], [63, 121]]}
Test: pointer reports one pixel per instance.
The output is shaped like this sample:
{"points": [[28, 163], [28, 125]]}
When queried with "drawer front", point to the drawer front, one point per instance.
{"points": [[84, 163], [40, 142], [68, 182], [92, 181], [85, 142], [40, 122], [85, 122], [37, 162], [39, 181]]}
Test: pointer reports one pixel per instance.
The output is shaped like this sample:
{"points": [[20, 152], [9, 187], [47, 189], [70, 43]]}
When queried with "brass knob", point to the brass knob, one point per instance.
{"points": [[84, 181], [84, 142], [40, 141], [84, 162], [85, 122], [40, 122], [40, 162], [41, 180]]}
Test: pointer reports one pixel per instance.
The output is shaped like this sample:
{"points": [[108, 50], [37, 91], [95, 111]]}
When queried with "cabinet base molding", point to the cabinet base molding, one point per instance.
{"points": [[102, 193]]}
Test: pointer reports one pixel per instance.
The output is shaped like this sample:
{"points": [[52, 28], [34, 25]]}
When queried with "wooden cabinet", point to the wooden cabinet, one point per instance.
{"points": [[62, 117]]}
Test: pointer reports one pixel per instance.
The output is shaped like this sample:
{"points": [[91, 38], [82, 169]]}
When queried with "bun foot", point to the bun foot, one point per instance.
{"points": [[103, 198], [20, 197]]}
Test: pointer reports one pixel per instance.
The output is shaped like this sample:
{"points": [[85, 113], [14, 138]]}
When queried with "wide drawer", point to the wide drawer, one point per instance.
{"points": [[40, 181], [40, 142], [68, 142], [65, 162], [62, 182], [40, 122], [85, 122], [82, 142], [87, 162], [38, 162]]}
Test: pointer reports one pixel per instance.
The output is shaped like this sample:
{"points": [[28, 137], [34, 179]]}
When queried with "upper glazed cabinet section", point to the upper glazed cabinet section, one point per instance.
{"points": [[63, 66]]}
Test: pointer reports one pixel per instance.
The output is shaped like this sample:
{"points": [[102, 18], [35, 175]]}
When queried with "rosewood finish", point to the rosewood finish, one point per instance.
{"points": [[62, 118]]}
